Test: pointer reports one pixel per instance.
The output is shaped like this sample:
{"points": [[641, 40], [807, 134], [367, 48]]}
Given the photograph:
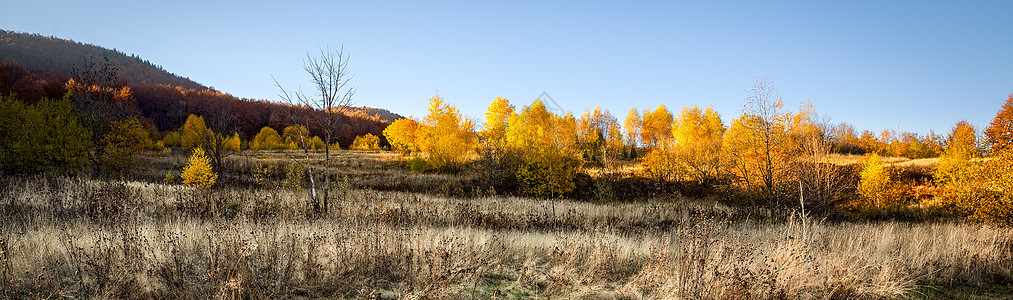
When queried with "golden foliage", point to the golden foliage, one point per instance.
{"points": [[497, 119], [294, 177], [599, 136], [875, 181], [761, 150], [955, 167], [656, 128], [297, 137], [267, 139], [193, 132], [632, 125], [996, 176], [548, 146], [698, 136], [401, 136], [445, 136], [198, 172], [233, 143], [368, 142]]}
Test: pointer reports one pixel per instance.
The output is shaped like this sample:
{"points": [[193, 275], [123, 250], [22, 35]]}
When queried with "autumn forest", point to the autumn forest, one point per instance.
{"points": [[122, 180]]}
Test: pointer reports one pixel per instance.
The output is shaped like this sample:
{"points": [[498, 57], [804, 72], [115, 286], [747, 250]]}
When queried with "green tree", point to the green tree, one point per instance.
{"points": [[124, 141], [44, 136]]}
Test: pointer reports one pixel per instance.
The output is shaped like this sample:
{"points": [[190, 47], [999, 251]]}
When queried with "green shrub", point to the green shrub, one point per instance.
{"points": [[417, 165], [45, 136]]}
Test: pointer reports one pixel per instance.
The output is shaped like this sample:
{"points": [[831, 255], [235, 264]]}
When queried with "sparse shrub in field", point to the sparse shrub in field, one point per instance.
{"points": [[875, 181], [199, 173], [452, 188], [261, 173], [294, 177], [170, 178], [417, 165], [368, 142]]}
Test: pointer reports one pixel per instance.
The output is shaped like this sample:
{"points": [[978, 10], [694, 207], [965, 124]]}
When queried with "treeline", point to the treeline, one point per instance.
{"points": [[767, 156], [167, 107]]}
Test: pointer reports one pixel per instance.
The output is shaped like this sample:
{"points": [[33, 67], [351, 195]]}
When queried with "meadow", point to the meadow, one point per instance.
{"points": [[395, 234]]}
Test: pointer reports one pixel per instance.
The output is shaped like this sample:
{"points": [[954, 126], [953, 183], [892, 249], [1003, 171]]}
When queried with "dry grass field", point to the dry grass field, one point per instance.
{"points": [[392, 234]]}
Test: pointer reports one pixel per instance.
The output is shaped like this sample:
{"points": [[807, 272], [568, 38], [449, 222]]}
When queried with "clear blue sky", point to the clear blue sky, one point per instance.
{"points": [[908, 65]]}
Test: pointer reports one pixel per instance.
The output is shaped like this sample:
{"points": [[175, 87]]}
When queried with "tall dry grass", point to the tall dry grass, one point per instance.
{"points": [[81, 238]]}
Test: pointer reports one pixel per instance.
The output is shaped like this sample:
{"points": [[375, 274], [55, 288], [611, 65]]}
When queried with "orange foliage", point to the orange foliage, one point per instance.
{"points": [[1000, 131]]}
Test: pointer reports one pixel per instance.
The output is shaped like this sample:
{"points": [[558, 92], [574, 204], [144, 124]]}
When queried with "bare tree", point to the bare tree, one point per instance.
{"points": [[221, 126], [329, 75], [769, 138]]}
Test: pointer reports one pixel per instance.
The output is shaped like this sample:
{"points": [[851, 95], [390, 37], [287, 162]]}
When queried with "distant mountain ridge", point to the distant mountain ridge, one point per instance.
{"points": [[34, 66], [42, 54], [372, 112]]}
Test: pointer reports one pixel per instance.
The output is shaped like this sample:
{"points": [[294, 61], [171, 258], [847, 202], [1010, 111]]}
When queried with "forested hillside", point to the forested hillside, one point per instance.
{"points": [[33, 67], [41, 54]]}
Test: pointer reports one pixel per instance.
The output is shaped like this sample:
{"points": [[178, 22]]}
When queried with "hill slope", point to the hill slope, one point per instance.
{"points": [[34, 66], [40, 54]]}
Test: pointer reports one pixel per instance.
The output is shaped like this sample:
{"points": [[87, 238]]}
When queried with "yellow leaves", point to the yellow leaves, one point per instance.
{"points": [[233, 143], [367, 142], [548, 146], [599, 135], [298, 136], [874, 182], [198, 172], [537, 129], [497, 118], [193, 132], [401, 136], [656, 128], [445, 136], [955, 166], [633, 125], [267, 139]]}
